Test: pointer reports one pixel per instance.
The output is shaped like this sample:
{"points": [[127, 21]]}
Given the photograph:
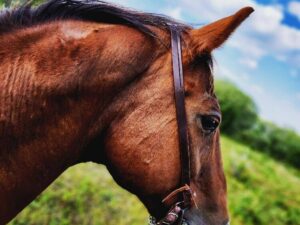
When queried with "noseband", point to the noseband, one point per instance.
{"points": [[183, 193]]}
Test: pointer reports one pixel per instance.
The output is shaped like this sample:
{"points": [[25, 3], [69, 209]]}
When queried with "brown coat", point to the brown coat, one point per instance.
{"points": [[74, 91]]}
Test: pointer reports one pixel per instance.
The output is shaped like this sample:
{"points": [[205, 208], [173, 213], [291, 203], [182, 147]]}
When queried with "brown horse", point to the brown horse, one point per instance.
{"points": [[88, 81]]}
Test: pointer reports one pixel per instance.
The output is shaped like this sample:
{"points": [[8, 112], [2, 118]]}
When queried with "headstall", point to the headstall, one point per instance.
{"points": [[183, 193]]}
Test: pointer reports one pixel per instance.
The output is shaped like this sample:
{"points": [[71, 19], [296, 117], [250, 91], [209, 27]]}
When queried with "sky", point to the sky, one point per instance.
{"points": [[262, 57]]}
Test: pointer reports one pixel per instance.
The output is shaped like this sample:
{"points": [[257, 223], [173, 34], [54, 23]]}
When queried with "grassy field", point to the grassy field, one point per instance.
{"points": [[261, 191]]}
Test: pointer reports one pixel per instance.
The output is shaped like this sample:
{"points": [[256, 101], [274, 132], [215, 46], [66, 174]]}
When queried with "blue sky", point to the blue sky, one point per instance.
{"points": [[263, 55]]}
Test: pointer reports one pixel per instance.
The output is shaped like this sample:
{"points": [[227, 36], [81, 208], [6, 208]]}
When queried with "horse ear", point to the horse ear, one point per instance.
{"points": [[213, 35]]}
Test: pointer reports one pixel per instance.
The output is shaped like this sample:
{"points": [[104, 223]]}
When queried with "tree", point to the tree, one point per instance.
{"points": [[239, 111]]}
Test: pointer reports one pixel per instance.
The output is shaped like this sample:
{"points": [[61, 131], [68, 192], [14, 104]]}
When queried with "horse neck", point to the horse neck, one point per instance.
{"points": [[56, 82]]}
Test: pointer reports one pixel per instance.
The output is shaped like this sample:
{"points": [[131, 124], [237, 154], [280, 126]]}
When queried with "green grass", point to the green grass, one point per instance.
{"points": [[261, 191], [84, 195]]}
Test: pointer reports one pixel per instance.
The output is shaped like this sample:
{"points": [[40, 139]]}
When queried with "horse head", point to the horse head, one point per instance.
{"points": [[142, 146]]}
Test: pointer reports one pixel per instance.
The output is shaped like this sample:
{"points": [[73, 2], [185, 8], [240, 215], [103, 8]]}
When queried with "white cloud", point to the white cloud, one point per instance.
{"points": [[209, 10], [294, 9], [257, 89], [245, 77], [224, 72], [261, 35], [265, 19], [268, 36], [284, 112], [175, 13], [250, 63]]}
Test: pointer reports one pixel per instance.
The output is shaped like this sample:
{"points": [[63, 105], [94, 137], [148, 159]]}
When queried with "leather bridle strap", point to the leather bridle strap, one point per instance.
{"points": [[181, 113], [184, 192]]}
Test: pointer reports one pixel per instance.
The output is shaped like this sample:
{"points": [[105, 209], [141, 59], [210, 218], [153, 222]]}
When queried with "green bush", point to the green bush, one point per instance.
{"points": [[239, 111], [280, 143], [241, 121], [85, 195]]}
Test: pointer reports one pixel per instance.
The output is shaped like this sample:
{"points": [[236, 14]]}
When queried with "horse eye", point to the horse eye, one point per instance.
{"points": [[208, 123]]}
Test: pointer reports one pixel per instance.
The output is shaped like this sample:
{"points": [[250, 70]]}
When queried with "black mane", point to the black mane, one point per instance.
{"points": [[89, 10]]}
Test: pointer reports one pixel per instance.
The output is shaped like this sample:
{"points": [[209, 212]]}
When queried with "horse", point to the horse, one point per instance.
{"points": [[88, 81]]}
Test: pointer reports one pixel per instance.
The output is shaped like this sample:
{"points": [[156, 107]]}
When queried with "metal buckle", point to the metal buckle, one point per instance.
{"points": [[174, 216]]}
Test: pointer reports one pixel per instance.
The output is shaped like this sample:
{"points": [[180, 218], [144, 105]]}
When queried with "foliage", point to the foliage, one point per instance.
{"points": [[239, 111], [261, 191], [280, 143], [241, 121]]}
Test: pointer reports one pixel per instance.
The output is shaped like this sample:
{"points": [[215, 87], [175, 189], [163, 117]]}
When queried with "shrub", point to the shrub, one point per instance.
{"points": [[241, 121], [239, 111]]}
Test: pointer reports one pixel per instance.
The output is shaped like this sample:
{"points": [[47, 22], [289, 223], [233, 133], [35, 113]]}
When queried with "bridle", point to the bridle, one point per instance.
{"points": [[184, 192]]}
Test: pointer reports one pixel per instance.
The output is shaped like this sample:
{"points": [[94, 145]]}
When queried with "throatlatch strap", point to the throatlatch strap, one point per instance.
{"points": [[180, 112]]}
